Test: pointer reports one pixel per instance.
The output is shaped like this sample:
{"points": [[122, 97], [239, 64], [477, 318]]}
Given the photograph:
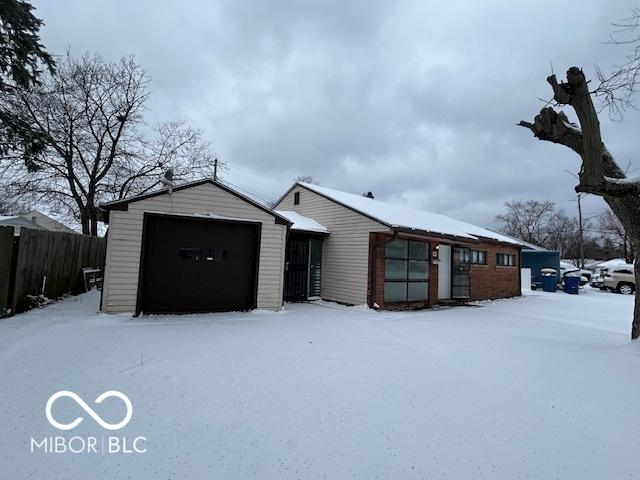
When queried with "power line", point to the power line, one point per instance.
{"points": [[260, 195]]}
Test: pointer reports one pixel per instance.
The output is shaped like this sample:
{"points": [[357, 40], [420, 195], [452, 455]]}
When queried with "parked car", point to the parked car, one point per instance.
{"points": [[620, 279], [599, 267]]}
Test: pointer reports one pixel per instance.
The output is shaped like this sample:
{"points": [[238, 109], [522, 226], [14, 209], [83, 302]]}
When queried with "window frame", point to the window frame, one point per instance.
{"points": [[296, 198], [407, 280], [477, 254], [508, 257]]}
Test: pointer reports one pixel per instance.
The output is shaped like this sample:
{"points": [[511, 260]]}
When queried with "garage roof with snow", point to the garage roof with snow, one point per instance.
{"points": [[124, 203], [397, 216]]}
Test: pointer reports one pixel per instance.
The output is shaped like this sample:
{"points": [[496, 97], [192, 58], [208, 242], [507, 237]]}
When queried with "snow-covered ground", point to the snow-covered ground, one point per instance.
{"points": [[539, 387]]}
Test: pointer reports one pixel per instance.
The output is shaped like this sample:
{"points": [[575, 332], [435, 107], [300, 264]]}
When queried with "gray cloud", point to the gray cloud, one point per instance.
{"points": [[414, 100]]}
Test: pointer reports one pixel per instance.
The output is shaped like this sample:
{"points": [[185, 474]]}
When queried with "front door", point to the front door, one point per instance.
{"points": [[296, 275], [460, 272], [444, 272]]}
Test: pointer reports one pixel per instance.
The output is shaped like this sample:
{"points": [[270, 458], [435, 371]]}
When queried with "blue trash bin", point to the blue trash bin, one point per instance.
{"points": [[549, 283], [571, 285]]}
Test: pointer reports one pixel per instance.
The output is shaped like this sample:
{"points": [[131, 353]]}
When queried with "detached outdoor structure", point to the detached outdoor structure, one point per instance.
{"points": [[203, 247], [536, 258]]}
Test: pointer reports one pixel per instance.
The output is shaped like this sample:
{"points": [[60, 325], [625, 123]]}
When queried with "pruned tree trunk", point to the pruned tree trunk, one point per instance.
{"points": [[635, 327], [599, 173]]}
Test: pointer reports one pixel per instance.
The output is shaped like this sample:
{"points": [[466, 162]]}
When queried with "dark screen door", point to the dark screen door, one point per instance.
{"points": [[297, 269], [460, 270]]}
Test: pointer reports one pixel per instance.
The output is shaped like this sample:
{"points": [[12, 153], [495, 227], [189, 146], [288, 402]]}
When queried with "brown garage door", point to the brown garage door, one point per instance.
{"points": [[198, 265]]}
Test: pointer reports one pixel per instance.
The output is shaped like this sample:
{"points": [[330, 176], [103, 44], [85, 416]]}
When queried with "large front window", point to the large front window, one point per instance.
{"points": [[406, 271]]}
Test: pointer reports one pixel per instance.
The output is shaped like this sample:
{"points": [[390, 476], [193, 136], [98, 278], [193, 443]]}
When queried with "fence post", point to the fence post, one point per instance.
{"points": [[6, 256]]}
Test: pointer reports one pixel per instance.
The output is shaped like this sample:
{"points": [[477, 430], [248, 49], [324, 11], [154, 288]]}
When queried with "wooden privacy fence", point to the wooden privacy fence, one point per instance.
{"points": [[40, 262]]}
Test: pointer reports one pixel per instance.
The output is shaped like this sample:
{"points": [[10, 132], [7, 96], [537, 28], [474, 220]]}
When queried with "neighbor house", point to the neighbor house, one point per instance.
{"points": [[34, 220], [391, 256], [203, 246], [47, 222], [18, 222]]}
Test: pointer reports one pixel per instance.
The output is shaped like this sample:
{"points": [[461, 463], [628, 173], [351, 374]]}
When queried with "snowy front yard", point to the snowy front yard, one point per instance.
{"points": [[545, 386]]}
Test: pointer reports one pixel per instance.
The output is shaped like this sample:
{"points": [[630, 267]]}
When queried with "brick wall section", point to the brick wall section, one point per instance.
{"points": [[491, 281], [487, 281]]}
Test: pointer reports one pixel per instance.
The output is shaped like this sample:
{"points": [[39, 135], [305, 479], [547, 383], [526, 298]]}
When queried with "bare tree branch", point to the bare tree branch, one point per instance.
{"points": [[93, 143]]}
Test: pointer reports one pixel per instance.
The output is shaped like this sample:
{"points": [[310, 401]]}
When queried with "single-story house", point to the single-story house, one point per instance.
{"points": [[390, 256], [47, 222], [34, 219], [18, 222], [201, 246]]}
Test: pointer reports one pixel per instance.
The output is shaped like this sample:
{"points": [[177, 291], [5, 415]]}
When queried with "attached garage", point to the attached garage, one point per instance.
{"points": [[202, 247]]}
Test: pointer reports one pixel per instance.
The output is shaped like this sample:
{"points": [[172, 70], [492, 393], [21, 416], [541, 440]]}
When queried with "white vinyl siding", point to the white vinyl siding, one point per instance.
{"points": [[125, 239], [345, 253]]}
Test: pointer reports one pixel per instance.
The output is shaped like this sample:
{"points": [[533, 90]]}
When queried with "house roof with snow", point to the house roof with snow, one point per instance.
{"points": [[302, 223], [407, 218], [531, 247]]}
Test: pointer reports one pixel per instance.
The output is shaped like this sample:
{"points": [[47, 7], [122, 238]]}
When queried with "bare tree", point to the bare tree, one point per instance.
{"points": [[611, 228], [526, 220], [10, 205], [563, 234], [539, 222], [306, 179], [599, 174], [90, 141]]}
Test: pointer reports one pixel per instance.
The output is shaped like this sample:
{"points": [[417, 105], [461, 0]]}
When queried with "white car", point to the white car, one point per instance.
{"points": [[603, 267], [619, 279]]}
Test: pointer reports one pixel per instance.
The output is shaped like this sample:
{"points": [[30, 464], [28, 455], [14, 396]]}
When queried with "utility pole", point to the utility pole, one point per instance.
{"points": [[581, 240], [215, 172], [581, 237]]}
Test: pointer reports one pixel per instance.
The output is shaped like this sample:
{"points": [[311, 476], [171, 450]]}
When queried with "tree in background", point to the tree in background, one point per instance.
{"points": [[555, 230], [599, 174], [563, 235], [527, 220], [22, 58], [306, 179], [21, 54], [612, 229], [91, 141]]}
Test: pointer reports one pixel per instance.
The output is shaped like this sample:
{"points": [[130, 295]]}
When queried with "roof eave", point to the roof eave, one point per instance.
{"points": [[123, 205], [455, 238]]}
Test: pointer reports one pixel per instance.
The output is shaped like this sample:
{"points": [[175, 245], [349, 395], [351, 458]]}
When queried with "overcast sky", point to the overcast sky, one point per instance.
{"points": [[414, 100]]}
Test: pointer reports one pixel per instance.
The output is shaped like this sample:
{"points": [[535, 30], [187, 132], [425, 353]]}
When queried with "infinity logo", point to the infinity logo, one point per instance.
{"points": [[89, 410]]}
